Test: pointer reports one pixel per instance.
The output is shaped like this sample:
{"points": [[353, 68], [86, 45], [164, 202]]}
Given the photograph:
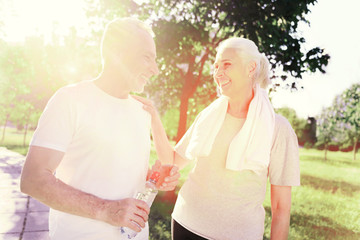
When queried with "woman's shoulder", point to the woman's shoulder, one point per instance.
{"points": [[283, 127]]}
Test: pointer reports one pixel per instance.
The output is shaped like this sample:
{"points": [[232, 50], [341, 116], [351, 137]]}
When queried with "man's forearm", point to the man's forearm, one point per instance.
{"points": [[62, 197], [280, 224]]}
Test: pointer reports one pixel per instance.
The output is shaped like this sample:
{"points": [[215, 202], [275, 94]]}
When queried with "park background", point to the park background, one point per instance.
{"points": [[45, 45]]}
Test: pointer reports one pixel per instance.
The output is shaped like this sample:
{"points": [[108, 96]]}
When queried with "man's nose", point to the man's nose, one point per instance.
{"points": [[155, 69]]}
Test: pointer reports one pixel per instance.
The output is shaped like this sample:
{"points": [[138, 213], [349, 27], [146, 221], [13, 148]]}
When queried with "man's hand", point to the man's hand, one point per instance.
{"points": [[169, 176], [129, 212]]}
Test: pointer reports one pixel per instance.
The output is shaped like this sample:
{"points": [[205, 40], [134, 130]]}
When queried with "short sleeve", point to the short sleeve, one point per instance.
{"points": [[182, 145], [284, 167], [56, 124]]}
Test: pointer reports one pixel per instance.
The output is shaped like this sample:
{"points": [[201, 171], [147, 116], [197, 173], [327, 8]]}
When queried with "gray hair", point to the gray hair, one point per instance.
{"points": [[248, 51], [119, 32]]}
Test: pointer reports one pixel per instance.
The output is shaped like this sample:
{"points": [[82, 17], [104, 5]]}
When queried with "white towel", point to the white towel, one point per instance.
{"points": [[251, 146]]}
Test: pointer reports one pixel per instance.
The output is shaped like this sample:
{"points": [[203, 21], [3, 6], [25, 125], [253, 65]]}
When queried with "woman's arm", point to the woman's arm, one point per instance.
{"points": [[280, 211], [164, 150]]}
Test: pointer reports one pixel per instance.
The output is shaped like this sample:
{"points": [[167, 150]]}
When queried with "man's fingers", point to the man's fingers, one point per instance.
{"points": [[134, 225], [143, 206], [142, 213]]}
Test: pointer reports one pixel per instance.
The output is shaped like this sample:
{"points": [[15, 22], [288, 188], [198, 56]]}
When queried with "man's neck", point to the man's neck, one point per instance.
{"points": [[111, 85]]}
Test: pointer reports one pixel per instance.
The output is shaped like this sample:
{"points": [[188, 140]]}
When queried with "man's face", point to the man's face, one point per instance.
{"points": [[139, 62]]}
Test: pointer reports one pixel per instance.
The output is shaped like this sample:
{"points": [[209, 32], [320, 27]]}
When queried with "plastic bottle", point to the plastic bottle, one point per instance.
{"points": [[147, 195]]}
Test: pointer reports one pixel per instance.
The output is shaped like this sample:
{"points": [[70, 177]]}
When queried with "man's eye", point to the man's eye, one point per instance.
{"points": [[227, 64]]}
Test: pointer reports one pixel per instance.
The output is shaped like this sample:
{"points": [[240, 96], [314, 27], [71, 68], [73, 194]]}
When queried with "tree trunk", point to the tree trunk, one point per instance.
{"points": [[355, 146], [3, 133], [188, 91], [326, 148], [26, 126], [184, 106], [25, 133]]}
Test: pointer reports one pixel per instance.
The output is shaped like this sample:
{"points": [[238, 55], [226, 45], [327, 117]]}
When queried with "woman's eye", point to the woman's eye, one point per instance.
{"points": [[227, 64]]}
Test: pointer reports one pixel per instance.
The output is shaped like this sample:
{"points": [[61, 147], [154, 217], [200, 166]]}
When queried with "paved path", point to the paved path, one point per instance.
{"points": [[21, 217]]}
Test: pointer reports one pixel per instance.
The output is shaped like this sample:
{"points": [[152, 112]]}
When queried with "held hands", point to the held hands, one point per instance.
{"points": [[169, 176], [128, 212]]}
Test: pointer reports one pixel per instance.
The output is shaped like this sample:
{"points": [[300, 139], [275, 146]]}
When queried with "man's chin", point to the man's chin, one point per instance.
{"points": [[139, 89]]}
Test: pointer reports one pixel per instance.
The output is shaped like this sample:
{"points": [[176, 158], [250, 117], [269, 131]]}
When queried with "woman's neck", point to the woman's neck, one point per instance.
{"points": [[239, 107]]}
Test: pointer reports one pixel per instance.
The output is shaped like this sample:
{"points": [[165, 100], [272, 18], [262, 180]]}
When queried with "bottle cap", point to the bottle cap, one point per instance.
{"points": [[155, 176]]}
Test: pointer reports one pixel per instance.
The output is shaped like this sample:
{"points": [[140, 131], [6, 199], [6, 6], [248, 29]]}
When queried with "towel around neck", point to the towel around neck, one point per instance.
{"points": [[251, 146]]}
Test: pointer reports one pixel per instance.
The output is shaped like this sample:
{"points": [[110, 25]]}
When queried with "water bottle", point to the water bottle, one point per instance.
{"points": [[148, 196]]}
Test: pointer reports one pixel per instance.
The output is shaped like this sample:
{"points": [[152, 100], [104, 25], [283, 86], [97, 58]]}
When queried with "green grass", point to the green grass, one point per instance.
{"points": [[325, 206], [14, 140]]}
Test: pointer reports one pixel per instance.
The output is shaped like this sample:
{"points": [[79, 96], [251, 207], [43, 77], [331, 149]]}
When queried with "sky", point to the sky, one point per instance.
{"points": [[334, 26]]}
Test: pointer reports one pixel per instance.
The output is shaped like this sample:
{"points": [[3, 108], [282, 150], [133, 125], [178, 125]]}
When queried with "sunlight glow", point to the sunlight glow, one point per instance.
{"points": [[25, 18]]}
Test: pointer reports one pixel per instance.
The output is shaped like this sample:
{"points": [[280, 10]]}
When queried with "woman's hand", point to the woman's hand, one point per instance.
{"points": [[148, 105], [169, 176]]}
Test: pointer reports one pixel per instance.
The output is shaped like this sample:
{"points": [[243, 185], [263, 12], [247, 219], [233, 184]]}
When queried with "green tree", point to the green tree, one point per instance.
{"points": [[297, 123], [349, 112], [327, 128], [188, 32], [14, 71]]}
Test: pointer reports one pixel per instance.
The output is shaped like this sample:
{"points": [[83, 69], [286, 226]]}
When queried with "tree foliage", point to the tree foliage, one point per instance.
{"points": [[340, 123], [349, 114], [305, 129], [327, 128], [188, 32]]}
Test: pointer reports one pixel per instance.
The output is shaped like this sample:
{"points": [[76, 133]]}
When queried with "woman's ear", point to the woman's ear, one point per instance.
{"points": [[250, 69]]}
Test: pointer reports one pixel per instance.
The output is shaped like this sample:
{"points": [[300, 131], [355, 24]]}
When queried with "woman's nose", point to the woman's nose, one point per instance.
{"points": [[218, 73]]}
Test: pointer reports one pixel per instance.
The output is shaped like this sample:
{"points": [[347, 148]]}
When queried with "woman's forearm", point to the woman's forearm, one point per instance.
{"points": [[280, 224], [163, 147]]}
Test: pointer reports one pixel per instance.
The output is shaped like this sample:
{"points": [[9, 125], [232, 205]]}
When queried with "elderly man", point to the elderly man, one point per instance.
{"points": [[90, 152]]}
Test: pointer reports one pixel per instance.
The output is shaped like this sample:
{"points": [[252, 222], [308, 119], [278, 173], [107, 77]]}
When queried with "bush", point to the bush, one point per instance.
{"points": [[160, 221]]}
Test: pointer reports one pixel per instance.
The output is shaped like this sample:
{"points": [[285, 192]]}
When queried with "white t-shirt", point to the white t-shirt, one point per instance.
{"points": [[221, 204], [106, 141]]}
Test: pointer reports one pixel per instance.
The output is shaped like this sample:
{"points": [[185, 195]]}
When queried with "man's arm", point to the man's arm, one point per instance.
{"points": [[38, 181], [280, 211]]}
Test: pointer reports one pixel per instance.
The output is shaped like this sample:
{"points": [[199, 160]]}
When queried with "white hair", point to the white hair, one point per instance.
{"points": [[248, 51]]}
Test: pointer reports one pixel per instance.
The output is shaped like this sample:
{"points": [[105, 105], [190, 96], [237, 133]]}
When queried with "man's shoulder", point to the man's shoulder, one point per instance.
{"points": [[76, 87], [73, 90]]}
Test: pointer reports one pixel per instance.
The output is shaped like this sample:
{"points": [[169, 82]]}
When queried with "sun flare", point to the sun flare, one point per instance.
{"points": [[23, 18]]}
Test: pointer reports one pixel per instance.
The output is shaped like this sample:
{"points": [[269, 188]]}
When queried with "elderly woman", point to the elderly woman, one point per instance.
{"points": [[238, 142]]}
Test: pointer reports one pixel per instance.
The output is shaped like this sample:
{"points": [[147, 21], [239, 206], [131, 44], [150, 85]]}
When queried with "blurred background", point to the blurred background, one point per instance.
{"points": [[313, 47]]}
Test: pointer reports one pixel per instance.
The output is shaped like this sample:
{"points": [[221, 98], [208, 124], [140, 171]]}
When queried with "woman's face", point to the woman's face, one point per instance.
{"points": [[231, 73]]}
